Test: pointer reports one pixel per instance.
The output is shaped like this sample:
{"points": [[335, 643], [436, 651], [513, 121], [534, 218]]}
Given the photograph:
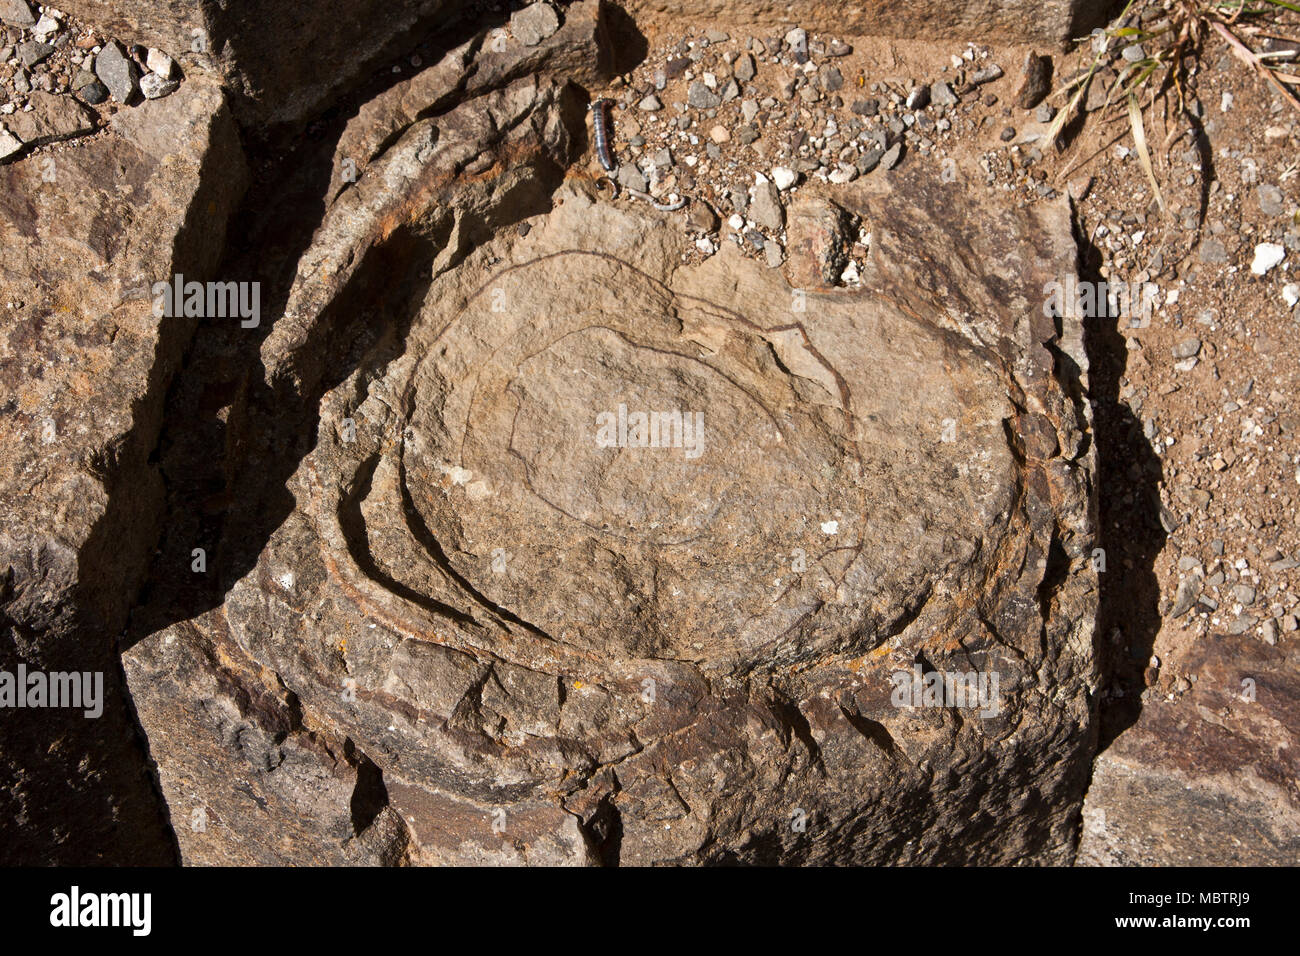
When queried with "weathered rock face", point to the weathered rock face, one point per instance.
{"points": [[85, 366], [1029, 21], [1206, 781], [498, 623], [280, 61], [525, 541]]}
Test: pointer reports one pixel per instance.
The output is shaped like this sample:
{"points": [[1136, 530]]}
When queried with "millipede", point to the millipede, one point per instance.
{"points": [[600, 120]]}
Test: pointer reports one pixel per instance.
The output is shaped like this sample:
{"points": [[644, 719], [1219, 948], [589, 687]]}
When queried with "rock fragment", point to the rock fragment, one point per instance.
{"points": [[534, 23], [1213, 251], [796, 42], [1267, 255], [870, 160], [32, 52], [629, 177], [1189, 589], [817, 243], [700, 97], [46, 27], [94, 93], [1271, 200], [784, 177], [155, 87], [17, 13], [1036, 82], [701, 216], [941, 94], [9, 143], [160, 63], [765, 208], [117, 71], [744, 69]]}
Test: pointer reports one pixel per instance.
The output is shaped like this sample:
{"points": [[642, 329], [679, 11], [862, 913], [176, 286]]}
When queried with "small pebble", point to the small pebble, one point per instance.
{"points": [[1267, 255]]}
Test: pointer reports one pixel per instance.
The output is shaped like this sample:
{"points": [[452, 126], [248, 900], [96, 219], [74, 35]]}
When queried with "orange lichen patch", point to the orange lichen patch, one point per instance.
{"points": [[394, 218], [29, 399], [81, 384]]}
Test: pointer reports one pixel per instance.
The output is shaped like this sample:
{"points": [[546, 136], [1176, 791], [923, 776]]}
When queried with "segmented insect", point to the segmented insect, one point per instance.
{"points": [[600, 120]]}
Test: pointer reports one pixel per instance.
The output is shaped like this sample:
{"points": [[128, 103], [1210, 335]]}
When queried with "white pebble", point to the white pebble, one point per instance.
{"points": [[1267, 255], [784, 177], [160, 63], [45, 26]]}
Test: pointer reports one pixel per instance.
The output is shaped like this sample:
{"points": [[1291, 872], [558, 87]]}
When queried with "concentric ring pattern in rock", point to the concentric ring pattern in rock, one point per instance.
{"points": [[551, 648]]}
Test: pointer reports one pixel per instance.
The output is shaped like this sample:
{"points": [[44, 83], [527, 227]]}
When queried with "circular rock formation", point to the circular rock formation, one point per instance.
{"points": [[586, 555], [521, 600]]}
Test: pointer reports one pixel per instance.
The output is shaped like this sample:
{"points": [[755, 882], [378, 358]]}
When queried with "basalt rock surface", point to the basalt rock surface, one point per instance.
{"points": [[1211, 781], [85, 365], [483, 630], [454, 604]]}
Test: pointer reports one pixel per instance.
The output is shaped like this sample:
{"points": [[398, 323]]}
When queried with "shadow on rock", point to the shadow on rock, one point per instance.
{"points": [[1130, 531]]}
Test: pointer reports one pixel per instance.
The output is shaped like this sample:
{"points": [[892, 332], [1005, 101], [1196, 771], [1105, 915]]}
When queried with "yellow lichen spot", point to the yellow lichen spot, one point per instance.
{"points": [[578, 685]]}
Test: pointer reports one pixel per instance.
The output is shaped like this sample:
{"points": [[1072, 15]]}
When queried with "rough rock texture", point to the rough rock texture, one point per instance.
{"points": [[578, 52], [453, 627], [1029, 21], [1210, 781], [51, 119], [281, 61], [819, 234], [85, 367], [447, 615]]}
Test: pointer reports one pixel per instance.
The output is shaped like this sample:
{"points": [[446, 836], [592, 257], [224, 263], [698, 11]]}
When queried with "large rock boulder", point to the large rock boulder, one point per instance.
{"points": [[86, 364], [510, 534], [1209, 778], [498, 622]]}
